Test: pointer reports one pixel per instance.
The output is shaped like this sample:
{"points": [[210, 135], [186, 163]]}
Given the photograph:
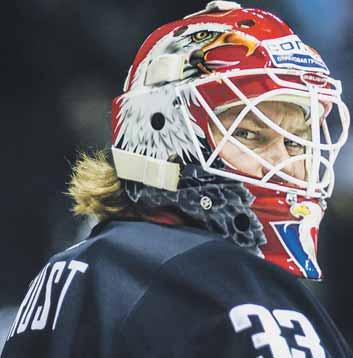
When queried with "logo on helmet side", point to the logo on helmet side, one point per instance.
{"points": [[314, 79]]}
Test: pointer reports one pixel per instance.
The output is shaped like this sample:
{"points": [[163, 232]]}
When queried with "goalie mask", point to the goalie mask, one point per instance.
{"points": [[225, 119]]}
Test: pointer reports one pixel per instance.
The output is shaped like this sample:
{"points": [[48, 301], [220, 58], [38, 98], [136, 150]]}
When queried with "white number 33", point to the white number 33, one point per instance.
{"points": [[271, 335]]}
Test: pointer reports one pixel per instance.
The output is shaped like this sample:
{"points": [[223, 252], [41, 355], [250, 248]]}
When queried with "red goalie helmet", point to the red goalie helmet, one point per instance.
{"points": [[235, 92]]}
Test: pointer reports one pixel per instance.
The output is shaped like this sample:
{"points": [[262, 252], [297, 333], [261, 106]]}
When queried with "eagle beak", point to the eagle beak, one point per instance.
{"points": [[300, 210], [233, 38]]}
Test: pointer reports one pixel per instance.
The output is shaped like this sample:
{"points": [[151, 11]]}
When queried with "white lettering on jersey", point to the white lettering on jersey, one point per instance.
{"points": [[23, 305], [26, 316], [271, 335], [74, 266], [30, 303], [41, 316]]}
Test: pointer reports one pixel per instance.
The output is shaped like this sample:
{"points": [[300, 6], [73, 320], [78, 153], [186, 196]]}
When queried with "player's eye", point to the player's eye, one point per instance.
{"points": [[244, 134], [201, 36], [295, 147]]}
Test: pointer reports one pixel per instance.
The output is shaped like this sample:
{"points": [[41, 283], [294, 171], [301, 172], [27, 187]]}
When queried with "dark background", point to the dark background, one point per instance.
{"points": [[62, 62]]}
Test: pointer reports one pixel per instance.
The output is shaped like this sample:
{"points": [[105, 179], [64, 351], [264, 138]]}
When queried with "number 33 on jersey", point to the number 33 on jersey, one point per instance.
{"points": [[272, 336]]}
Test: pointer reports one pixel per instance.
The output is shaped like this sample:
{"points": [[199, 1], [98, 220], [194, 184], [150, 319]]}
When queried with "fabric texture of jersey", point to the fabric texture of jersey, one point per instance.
{"points": [[137, 289]]}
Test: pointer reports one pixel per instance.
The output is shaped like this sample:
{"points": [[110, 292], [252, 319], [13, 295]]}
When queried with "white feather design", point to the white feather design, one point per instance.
{"points": [[138, 135], [136, 132]]}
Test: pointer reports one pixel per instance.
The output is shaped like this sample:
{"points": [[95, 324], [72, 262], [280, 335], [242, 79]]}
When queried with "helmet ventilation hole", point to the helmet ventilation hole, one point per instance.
{"points": [[157, 121], [246, 24], [180, 31]]}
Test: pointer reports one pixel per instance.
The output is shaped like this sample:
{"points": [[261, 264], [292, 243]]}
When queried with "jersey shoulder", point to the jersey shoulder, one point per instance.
{"points": [[131, 246], [137, 241]]}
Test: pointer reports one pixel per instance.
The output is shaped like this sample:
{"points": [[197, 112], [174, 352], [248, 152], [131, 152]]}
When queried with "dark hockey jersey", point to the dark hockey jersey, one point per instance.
{"points": [[142, 290]]}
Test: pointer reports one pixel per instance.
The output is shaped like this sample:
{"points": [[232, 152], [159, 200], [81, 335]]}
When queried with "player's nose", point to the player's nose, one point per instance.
{"points": [[276, 154]]}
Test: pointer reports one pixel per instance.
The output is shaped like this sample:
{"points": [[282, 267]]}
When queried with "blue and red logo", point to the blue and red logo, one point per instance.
{"points": [[299, 238]]}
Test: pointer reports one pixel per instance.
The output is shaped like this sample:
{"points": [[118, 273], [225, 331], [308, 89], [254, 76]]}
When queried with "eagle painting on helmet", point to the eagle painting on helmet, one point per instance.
{"points": [[179, 56]]}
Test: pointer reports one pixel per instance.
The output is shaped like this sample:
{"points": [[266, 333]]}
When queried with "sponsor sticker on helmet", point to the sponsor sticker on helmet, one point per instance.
{"points": [[314, 79], [291, 52]]}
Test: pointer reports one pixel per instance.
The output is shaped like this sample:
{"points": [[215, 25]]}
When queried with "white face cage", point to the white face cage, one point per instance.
{"points": [[321, 151]]}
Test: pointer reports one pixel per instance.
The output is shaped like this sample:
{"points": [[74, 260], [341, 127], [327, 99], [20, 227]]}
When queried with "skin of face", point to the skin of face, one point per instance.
{"points": [[267, 143]]}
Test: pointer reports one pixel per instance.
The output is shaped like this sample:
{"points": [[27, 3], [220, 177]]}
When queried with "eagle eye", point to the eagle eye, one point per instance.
{"points": [[202, 36]]}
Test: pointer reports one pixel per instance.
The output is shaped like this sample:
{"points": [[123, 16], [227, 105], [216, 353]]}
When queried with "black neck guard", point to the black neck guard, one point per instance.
{"points": [[218, 204]]}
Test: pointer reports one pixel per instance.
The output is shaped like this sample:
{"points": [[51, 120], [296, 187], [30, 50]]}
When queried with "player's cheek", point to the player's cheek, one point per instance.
{"points": [[299, 170], [240, 160]]}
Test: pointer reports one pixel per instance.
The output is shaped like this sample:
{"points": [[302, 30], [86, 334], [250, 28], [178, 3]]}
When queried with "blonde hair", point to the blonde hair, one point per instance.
{"points": [[96, 188]]}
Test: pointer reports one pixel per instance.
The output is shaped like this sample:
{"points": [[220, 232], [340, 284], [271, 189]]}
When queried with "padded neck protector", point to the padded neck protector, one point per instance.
{"points": [[217, 204]]}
